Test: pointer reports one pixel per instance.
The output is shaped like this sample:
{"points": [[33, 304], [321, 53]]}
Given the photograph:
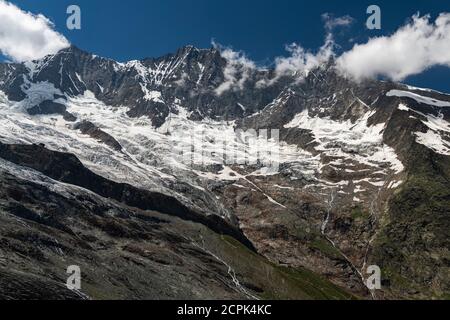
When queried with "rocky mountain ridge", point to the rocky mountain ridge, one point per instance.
{"points": [[363, 167]]}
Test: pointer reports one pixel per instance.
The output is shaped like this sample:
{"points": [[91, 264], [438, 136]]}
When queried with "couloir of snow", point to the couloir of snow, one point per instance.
{"points": [[159, 72]]}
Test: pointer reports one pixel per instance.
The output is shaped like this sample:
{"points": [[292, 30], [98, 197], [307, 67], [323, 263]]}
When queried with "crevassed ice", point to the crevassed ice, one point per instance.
{"points": [[438, 128], [356, 141], [149, 158]]}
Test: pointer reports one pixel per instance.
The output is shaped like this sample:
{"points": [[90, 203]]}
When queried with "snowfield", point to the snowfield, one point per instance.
{"points": [[418, 98], [437, 138], [154, 159]]}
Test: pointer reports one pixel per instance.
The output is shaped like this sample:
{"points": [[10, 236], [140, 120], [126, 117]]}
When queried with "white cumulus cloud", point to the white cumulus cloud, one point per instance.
{"points": [[25, 36], [412, 49], [237, 70]]}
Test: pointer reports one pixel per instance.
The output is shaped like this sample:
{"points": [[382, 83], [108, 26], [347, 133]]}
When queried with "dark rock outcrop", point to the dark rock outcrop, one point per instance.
{"points": [[67, 168]]}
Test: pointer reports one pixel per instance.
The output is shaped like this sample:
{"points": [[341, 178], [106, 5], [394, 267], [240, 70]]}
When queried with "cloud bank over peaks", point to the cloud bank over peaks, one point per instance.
{"points": [[298, 64], [301, 61], [412, 49], [25, 36], [237, 71], [418, 45]]}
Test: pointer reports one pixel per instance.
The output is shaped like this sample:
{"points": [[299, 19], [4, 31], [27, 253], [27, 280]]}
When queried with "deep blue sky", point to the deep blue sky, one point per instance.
{"points": [[134, 29]]}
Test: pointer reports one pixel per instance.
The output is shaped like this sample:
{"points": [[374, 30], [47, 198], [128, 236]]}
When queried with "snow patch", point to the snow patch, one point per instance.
{"points": [[36, 93], [438, 128], [402, 107], [434, 141], [154, 96], [344, 139], [418, 98]]}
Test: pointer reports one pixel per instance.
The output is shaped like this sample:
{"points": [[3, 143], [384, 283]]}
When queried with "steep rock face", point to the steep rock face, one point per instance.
{"points": [[125, 252], [148, 87], [12, 80], [362, 168], [68, 169]]}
